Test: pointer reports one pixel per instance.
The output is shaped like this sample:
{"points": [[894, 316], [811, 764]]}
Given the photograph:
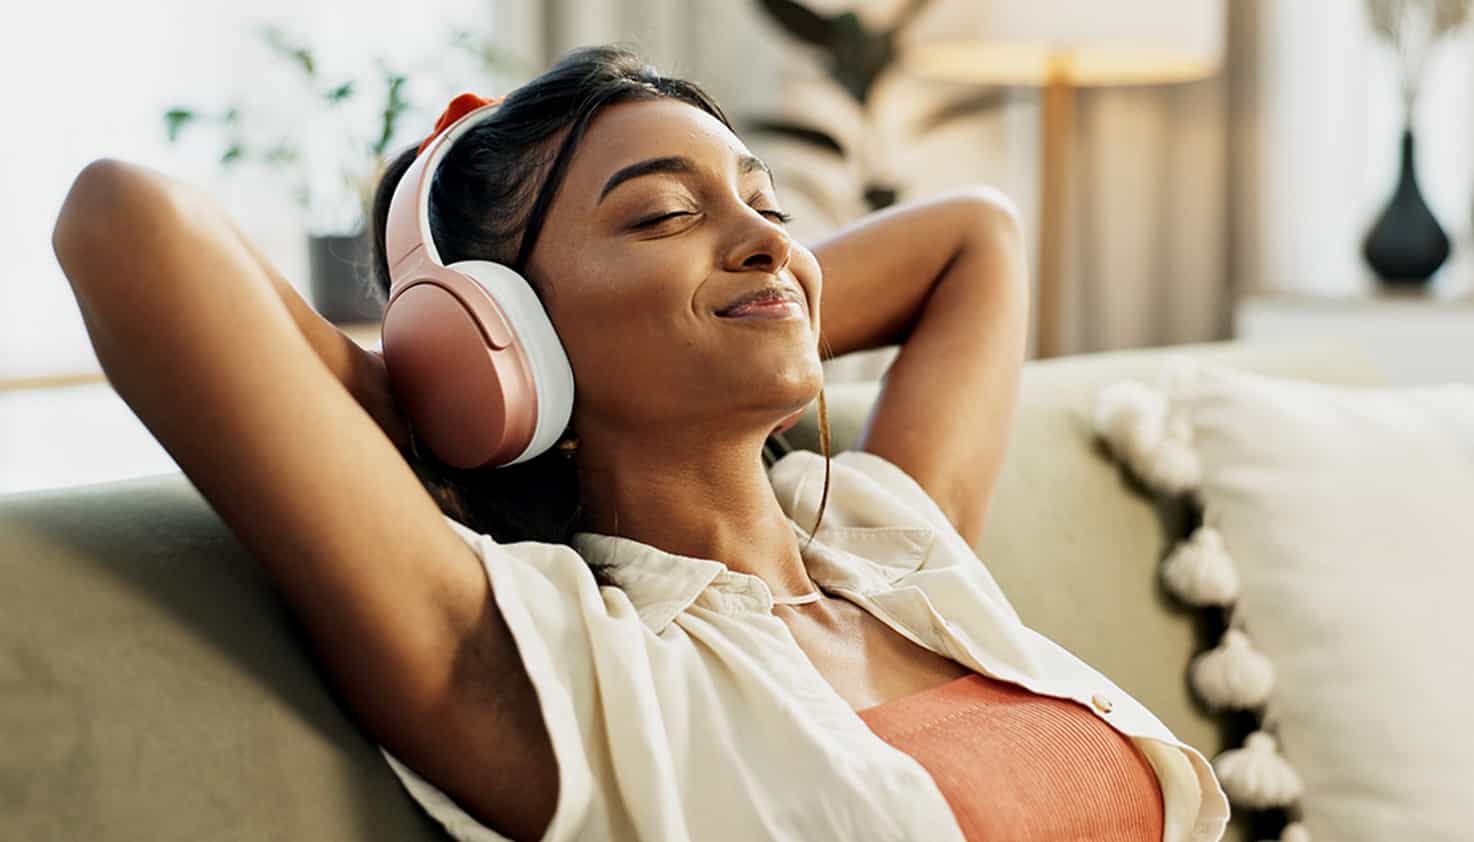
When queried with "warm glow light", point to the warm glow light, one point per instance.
{"points": [[1082, 42], [997, 63]]}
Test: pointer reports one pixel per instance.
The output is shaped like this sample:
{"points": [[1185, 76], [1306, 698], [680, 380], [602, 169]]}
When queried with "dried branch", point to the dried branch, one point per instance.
{"points": [[1411, 28]]}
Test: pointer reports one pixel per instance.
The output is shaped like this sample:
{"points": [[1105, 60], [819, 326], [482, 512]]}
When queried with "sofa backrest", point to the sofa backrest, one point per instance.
{"points": [[152, 685]]}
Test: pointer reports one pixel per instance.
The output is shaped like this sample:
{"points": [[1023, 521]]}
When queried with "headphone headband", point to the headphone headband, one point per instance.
{"points": [[407, 237]]}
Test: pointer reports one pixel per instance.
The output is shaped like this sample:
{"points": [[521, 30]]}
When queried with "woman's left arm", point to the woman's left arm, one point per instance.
{"points": [[947, 279]]}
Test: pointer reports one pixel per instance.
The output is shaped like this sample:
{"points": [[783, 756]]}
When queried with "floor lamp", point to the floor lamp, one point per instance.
{"points": [[1057, 46]]}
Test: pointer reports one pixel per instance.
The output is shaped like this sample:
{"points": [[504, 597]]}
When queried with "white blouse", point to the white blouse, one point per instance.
{"points": [[679, 708]]}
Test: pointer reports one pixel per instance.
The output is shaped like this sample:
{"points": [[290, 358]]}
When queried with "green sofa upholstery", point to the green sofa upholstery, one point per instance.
{"points": [[154, 687]]}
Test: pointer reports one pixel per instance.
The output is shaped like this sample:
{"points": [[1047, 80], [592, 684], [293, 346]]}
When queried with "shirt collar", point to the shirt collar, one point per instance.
{"points": [[662, 584]]}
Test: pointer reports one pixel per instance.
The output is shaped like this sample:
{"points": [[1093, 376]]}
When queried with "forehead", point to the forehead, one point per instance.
{"points": [[630, 132]]}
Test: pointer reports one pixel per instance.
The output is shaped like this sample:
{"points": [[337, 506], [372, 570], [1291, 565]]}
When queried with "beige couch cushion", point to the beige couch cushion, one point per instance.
{"points": [[152, 686], [1345, 514]]}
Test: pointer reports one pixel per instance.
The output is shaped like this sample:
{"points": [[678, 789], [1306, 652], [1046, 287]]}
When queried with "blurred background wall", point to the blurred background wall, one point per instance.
{"points": [[1261, 178], [1184, 199]]}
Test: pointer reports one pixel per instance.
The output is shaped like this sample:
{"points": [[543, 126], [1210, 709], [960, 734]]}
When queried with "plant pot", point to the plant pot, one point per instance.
{"points": [[341, 278], [1406, 245]]}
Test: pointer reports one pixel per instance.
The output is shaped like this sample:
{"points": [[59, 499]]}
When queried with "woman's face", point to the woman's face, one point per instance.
{"points": [[634, 296]]}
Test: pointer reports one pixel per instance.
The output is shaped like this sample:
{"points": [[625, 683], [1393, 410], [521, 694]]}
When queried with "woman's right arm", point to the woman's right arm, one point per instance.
{"points": [[361, 371], [192, 335]]}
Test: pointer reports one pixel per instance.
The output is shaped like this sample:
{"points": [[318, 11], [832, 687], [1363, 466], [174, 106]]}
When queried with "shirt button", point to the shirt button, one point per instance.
{"points": [[1101, 703]]}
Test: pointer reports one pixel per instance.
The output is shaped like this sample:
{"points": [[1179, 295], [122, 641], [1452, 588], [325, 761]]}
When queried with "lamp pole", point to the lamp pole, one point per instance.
{"points": [[1056, 128]]}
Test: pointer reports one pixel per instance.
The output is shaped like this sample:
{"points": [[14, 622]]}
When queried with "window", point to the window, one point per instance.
{"points": [[93, 80]]}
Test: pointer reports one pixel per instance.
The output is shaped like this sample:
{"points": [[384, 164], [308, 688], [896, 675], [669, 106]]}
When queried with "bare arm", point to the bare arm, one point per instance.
{"points": [[948, 280], [193, 336], [361, 371], [879, 269]]}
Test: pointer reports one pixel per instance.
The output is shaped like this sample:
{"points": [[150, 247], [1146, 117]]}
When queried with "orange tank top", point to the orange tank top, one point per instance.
{"points": [[1019, 766]]}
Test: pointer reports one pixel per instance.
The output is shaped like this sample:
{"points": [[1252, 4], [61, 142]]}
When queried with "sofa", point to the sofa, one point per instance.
{"points": [[153, 685]]}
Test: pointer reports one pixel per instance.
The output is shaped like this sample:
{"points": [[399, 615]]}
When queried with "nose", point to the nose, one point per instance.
{"points": [[762, 245]]}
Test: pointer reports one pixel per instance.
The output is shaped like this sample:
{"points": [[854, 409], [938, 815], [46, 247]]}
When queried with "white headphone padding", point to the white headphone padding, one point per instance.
{"points": [[551, 372]]}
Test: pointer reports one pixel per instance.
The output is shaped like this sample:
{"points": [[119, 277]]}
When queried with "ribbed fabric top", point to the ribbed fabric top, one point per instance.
{"points": [[1023, 767]]}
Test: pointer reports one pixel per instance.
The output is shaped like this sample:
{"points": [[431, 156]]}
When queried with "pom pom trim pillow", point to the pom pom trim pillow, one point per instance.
{"points": [[1338, 534]]}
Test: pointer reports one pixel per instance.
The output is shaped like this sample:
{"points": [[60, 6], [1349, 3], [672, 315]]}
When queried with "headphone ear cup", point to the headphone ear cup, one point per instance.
{"points": [[533, 331], [475, 364]]}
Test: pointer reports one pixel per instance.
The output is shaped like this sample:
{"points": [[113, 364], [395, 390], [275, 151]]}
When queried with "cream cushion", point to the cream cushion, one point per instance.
{"points": [[1348, 513]]}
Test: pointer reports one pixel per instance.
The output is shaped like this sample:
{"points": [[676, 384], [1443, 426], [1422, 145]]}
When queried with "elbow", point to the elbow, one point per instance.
{"points": [[80, 219], [996, 224], [105, 202], [995, 213]]}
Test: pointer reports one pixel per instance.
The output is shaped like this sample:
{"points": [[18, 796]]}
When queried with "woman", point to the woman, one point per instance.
{"points": [[654, 635]]}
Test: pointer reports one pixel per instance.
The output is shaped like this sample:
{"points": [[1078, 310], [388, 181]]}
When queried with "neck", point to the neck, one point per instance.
{"points": [[705, 499]]}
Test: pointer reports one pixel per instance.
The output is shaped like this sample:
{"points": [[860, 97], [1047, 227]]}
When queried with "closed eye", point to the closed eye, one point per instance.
{"points": [[775, 214], [647, 223]]}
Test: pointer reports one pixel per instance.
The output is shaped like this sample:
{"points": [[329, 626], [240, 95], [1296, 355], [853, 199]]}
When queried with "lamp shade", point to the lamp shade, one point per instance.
{"points": [[1082, 42]]}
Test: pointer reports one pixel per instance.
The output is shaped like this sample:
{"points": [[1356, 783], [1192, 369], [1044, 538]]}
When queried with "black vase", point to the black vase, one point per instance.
{"points": [[1406, 245], [341, 278]]}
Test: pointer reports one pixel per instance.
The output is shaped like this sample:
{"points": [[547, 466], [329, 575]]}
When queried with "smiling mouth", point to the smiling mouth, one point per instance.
{"points": [[778, 299], [768, 308]]}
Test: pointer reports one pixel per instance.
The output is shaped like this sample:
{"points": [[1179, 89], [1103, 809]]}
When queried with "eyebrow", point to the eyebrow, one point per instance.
{"points": [[677, 164]]}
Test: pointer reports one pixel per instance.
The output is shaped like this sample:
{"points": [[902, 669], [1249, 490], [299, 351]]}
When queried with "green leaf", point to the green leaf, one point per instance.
{"points": [[231, 116], [294, 52], [174, 120], [232, 154], [340, 93], [281, 152], [394, 106]]}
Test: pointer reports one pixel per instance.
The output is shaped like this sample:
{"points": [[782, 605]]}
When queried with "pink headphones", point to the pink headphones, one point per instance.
{"points": [[473, 359]]}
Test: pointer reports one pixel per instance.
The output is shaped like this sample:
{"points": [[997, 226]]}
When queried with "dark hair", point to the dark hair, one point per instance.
{"points": [[488, 202]]}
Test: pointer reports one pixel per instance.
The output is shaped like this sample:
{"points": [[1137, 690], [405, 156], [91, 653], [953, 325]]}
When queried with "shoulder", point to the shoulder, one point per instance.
{"points": [[563, 624], [880, 513], [865, 490], [561, 564], [549, 597]]}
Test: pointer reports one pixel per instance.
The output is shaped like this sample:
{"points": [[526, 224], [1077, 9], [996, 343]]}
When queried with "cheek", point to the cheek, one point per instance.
{"points": [[621, 323], [806, 269]]}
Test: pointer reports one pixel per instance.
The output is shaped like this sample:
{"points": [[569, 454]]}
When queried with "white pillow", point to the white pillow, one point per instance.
{"points": [[1341, 521]]}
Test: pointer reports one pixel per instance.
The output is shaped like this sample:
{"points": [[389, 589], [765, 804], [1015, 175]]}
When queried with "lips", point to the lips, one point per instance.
{"points": [[772, 292]]}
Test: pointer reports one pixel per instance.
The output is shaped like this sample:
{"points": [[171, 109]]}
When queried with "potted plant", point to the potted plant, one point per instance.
{"points": [[332, 156]]}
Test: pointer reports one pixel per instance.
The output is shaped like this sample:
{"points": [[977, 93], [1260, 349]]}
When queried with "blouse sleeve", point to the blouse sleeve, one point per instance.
{"points": [[542, 592]]}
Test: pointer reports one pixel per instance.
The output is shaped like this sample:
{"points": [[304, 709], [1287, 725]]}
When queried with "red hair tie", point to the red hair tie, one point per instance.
{"points": [[459, 107]]}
